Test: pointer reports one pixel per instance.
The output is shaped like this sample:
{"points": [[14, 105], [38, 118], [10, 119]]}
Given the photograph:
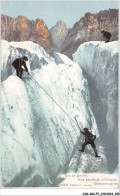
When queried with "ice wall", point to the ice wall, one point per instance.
{"points": [[39, 141], [12, 50], [99, 62]]}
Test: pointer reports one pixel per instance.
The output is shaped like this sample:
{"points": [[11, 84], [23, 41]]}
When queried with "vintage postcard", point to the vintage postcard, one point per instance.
{"points": [[59, 92]]}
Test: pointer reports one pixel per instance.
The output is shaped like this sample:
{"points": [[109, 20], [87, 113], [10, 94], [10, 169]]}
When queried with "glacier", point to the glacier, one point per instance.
{"points": [[99, 62], [40, 139], [10, 51]]}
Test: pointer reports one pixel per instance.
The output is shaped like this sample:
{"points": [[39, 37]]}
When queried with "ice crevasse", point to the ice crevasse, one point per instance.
{"points": [[39, 141], [99, 62]]}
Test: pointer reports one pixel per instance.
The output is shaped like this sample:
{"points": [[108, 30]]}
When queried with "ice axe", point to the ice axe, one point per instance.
{"points": [[77, 123], [78, 127]]}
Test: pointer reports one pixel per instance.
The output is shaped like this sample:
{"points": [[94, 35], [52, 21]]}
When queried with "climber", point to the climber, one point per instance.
{"points": [[89, 139], [107, 35], [18, 63]]}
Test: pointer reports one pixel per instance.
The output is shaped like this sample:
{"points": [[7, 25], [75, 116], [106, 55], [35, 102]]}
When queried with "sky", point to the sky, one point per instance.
{"points": [[53, 11]]}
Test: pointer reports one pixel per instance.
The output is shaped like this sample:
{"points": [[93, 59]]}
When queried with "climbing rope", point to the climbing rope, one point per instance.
{"points": [[54, 100]]}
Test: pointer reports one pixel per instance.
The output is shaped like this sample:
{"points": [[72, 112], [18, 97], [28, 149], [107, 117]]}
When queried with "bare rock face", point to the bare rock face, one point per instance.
{"points": [[89, 29], [59, 33], [59, 38], [22, 29]]}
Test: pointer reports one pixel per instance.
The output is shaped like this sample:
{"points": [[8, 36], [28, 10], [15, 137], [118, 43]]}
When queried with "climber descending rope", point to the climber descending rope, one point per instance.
{"points": [[89, 137]]}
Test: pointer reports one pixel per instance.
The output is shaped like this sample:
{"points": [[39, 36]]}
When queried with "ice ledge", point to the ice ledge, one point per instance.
{"points": [[112, 46]]}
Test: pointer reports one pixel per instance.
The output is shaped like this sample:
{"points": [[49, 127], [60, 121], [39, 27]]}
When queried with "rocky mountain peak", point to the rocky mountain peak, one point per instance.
{"points": [[23, 29], [88, 28], [59, 37], [59, 33]]}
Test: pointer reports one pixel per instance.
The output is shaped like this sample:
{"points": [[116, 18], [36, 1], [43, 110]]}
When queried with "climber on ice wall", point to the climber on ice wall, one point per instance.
{"points": [[18, 63], [89, 139]]}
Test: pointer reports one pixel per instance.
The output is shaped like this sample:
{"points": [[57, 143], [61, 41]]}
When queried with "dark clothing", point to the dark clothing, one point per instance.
{"points": [[86, 143], [89, 139], [107, 35], [17, 64]]}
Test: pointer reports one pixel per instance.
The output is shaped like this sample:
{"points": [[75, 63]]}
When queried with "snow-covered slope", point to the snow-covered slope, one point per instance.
{"points": [[39, 140], [99, 62], [12, 50]]}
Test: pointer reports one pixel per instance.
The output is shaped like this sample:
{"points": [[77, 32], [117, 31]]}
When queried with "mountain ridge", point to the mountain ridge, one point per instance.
{"points": [[59, 37], [23, 29], [59, 33], [88, 28]]}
